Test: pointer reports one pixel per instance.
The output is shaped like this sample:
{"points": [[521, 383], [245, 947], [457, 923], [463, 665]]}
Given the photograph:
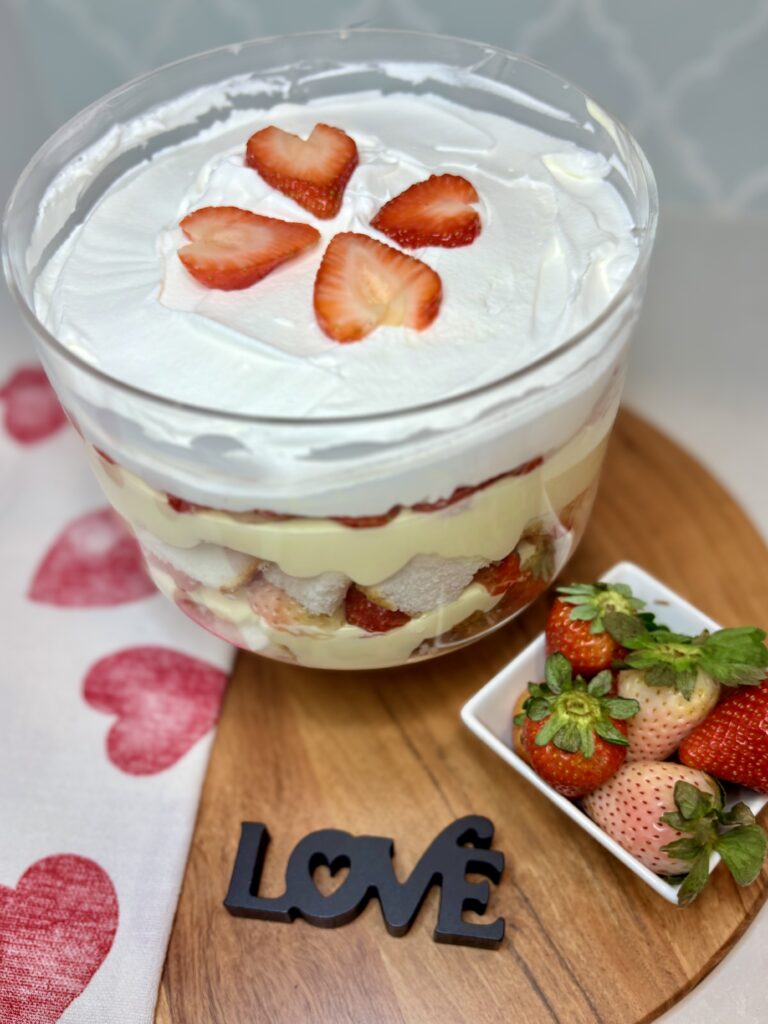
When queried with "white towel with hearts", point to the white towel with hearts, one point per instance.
{"points": [[108, 699]]}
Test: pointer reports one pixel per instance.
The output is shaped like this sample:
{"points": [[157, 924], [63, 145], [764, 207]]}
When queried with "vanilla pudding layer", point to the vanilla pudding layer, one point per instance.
{"points": [[487, 525], [556, 245], [328, 641]]}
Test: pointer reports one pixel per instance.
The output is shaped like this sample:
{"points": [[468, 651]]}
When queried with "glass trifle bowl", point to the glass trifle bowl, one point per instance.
{"points": [[342, 505]]}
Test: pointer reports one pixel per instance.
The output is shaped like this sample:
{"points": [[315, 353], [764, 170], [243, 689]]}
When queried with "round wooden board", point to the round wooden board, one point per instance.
{"points": [[386, 754]]}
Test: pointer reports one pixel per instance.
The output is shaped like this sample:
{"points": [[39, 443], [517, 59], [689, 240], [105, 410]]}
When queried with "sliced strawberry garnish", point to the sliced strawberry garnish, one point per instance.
{"points": [[181, 505], [367, 522], [368, 615], [498, 577], [233, 248], [107, 458], [437, 211], [461, 493], [313, 172], [363, 284]]}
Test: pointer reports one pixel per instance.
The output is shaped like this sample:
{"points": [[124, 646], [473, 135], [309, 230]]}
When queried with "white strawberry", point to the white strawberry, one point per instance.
{"points": [[629, 807], [666, 716], [676, 679], [671, 818]]}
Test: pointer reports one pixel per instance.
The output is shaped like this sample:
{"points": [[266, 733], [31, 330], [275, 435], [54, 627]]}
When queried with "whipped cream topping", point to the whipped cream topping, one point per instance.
{"points": [[555, 246], [557, 243]]}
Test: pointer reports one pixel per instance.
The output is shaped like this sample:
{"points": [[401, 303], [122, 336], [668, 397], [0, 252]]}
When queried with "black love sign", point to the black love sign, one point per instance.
{"points": [[462, 848]]}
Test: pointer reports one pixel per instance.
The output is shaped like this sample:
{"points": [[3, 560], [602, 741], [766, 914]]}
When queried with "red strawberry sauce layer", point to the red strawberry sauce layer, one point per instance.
{"points": [[181, 505]]}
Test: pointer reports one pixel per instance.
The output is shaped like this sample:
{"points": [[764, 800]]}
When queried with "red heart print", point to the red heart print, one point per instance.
{"points": [[94, 562], [164, 701], [32, 410], [56, 928]]}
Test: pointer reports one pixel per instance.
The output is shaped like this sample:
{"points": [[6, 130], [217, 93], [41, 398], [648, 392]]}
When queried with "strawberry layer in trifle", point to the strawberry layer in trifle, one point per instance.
{"points": [[347, 366]]}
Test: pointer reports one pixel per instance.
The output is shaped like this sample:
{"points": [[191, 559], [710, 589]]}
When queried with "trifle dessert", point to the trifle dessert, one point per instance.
{"points": [[344, 337]]}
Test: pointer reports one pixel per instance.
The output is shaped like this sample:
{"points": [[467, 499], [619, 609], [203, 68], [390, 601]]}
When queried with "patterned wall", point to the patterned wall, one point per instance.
{"points": [[689, 76]]}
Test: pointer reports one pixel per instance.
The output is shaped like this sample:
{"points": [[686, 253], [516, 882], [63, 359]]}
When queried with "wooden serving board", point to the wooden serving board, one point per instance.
{"points": [[385, 753]]}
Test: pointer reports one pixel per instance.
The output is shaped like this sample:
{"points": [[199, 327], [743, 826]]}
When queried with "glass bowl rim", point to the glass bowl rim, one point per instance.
{"points": [[646, 234]]}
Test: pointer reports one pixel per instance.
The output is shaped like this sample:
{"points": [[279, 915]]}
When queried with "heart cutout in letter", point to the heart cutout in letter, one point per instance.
{"points": [[164, 701], [94, 562], [329, 879], [56, 928], [32, 410]]}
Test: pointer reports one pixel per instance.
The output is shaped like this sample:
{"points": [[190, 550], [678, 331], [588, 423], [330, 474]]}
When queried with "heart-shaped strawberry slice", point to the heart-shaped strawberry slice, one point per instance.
{"points": [[438, 211], [165, 701], [363, 284], [231, 249], [32, 410], [313, 172], [56, 929], [94, 562]]}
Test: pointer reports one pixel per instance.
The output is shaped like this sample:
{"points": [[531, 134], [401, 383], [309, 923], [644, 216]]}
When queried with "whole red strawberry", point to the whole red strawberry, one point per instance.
{"points": [[574, 731], [576, 626], [732, 741]]}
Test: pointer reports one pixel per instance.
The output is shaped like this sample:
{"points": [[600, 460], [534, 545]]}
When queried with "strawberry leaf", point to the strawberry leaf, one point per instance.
{"points": [[648, 619], [592, 602], [675, 820], [735, 657], [621, 707], [683, 849], [583, 613], [625, 629], [739, 814], [558, 673], [536, 708], [587, 743], [567, 738], [601, 684], [692, 803], [607, 730], [682, 679], [547, 732], [741, 843], [695, 880], [743, 849], [541, 562]]}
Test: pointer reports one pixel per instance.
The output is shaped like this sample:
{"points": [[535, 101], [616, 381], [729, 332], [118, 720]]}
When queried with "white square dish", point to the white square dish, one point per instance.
{"points": [[489, 712]]}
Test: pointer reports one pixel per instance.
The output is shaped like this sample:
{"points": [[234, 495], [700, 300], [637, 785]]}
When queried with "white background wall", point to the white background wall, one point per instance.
{"points": [[690, 77]]}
